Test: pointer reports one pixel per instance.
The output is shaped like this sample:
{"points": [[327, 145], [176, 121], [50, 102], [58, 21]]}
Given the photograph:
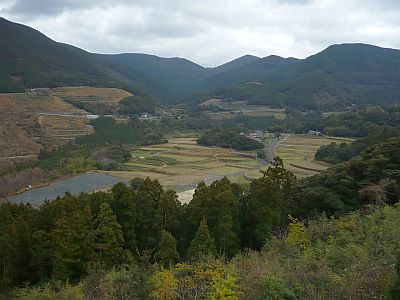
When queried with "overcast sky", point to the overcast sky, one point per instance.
{"points": [[210, 32]]}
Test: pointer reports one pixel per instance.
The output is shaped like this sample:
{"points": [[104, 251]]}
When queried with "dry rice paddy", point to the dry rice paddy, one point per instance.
{"points": [[297, 152], [182, 162]]}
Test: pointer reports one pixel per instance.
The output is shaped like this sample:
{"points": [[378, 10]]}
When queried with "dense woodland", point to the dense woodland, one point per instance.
{"points": [[228, 138], [279, 238]]}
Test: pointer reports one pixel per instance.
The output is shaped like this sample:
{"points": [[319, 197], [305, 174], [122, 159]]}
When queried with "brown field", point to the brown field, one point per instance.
{"points": [[25, 127], [108, 95], [213, 101], [249, 111], [27, 103], [234, 108], [297, 152], [100, 101], [182, 162]]}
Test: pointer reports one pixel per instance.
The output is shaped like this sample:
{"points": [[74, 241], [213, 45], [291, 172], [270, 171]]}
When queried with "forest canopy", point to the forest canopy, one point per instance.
{"points": [[228, 138]]}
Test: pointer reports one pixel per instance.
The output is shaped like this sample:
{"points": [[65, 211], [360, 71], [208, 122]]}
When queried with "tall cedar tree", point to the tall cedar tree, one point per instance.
{"points": [[72, 239], [108, 237], [66, 249], [124, 205], [269, 204], [219, 203], [149, 221], [167, 255], [202, 246]]}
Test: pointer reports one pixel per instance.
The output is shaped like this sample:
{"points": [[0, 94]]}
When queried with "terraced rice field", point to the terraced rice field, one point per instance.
{"points": [[297, 152], [182, 162], [90, 94]]}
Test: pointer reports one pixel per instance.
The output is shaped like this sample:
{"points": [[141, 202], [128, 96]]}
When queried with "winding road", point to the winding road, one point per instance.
{"points": [[270, 149]]}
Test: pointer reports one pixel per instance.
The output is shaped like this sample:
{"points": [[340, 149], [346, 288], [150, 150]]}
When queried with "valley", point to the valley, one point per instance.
{"points": [[180, 164], [135, 176]]}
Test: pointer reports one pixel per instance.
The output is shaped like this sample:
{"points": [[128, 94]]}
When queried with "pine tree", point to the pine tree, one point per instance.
{"points": [[108, 237], [167, 254], [202, 245]]}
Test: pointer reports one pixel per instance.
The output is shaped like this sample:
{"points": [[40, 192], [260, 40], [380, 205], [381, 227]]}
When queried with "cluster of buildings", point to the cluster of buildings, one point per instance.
{"points": [[314, 132], [257, 135]]}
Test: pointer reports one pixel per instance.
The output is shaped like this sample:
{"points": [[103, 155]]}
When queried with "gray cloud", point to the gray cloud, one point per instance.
{"points": [[210, 32]]}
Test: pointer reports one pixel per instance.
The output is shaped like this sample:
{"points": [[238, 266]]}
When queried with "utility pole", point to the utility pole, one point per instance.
{"points": [[28, 188]]}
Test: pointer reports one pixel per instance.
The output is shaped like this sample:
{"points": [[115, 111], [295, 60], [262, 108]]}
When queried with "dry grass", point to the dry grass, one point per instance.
{"points": [[23, 102], [211, 102], [110, 95], [298, 153], [191, 162]]}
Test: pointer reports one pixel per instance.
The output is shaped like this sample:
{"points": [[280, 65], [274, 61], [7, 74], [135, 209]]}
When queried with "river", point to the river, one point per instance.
{"points": [[87, 182]]}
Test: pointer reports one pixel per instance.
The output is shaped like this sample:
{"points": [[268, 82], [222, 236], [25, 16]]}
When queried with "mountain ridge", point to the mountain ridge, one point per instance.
{"points": [[338, 76]]}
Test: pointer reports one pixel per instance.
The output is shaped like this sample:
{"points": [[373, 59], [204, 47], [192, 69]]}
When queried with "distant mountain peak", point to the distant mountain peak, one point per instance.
{"points": [[236, 63]]}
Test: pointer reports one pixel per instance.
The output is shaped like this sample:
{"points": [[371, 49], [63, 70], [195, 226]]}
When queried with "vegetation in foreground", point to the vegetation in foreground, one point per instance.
{"points": [[139, 242]]}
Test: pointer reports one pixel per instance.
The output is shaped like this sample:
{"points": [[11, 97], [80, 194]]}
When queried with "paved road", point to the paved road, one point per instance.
{"points": [[61, 114], [270, 148], [19, 156]]}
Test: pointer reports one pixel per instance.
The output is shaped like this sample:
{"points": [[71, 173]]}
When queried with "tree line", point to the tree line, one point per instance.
{"points": [[228, 138], [137, 225]]}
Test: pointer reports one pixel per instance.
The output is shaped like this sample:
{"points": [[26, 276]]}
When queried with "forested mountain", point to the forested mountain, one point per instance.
{"points": [[164, 79], [30, 59], [337, 77], [235, 64]]}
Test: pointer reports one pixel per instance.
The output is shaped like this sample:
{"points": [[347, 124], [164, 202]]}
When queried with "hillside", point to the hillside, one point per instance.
{"points": [[255, 71], [333, 79], [164, 79], [30, 59], [337, 77], [235, 64]]}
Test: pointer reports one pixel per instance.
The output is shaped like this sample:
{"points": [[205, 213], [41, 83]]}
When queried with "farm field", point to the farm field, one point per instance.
{"points": [[297, 153], [181, 162], [234, 108], [249, 111], [27, 123], [96, 100], [45, 117], [105, 95]]}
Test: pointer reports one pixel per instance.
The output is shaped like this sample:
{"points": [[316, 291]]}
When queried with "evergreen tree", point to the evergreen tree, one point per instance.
{"points": [[66, 249], [394, 293], [6, 258], [220, 203], [228, 225], [149, 222], [167, 254], [124, 205], [170, 211], [202, 245], [108, 240], [268, 204], [41, 253]]}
